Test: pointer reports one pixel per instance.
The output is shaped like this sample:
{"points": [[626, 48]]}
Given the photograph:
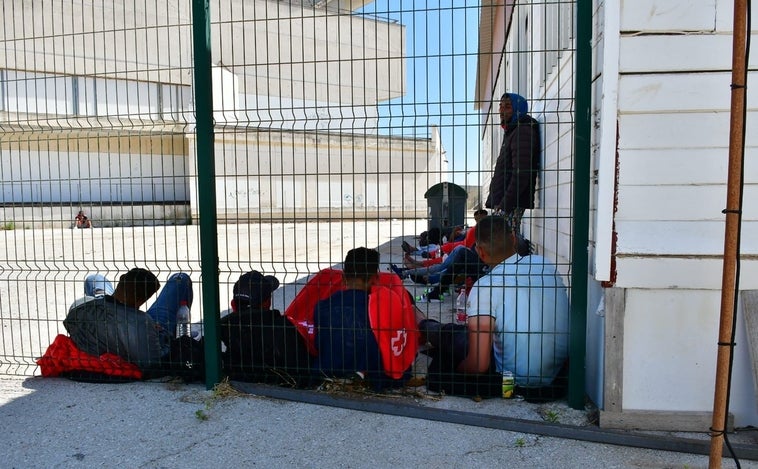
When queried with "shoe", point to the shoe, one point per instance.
{"points": [[435, 294], [407, 248], [400, 272]]}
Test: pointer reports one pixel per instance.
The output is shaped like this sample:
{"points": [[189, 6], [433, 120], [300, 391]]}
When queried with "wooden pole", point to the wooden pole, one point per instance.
{"points": [[733, 217]]}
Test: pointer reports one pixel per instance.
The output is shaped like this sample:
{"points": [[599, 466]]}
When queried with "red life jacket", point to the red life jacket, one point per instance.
{"points": [[300, 311], [391, 316]]}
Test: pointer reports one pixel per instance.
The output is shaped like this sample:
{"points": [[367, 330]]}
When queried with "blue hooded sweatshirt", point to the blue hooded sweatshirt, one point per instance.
{"points": [[520, 108]]}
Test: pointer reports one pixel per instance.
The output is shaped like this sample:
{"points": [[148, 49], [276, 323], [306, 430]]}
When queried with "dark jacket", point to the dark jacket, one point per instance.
{"points": [[103, 325], [263, 346], [515, 176]]}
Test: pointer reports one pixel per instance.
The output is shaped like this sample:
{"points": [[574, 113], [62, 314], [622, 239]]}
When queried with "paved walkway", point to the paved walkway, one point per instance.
{"points": [[60, 423]]}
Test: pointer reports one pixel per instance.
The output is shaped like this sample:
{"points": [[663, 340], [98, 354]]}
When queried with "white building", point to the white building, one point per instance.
{"points": [[661, 79], [96, 112]]}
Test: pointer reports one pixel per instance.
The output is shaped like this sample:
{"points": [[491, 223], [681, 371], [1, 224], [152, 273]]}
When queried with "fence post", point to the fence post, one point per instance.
{"points": [[206, 178], [581, 203]]}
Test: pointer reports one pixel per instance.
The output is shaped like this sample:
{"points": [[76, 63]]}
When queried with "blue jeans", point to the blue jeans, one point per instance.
{"points": [[437, 268], [177, 289]]}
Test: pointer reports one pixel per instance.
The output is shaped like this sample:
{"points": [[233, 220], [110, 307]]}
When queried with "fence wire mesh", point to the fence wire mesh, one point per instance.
{"points": [[338, 125]]}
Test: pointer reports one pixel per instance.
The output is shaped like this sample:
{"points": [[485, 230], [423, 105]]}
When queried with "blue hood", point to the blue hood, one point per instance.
{"points": [[520, 107]]}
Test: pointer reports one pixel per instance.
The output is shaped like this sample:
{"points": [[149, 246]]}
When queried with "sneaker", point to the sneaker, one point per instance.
{"points": [[400, 272], [435, 294], [407, 248]]}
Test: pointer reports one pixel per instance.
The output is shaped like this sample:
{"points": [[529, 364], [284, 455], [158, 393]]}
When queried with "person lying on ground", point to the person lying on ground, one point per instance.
{"points": [[468, 240], [113, 323], [518, 319], [457, 261]]}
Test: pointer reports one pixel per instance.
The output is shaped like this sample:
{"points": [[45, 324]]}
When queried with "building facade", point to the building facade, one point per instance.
{"points": [[661, 95]]}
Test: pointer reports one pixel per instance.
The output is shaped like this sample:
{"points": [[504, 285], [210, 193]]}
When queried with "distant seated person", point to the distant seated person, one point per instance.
{"points": [[110, 321], [262, 345], [428, 245], [82, 221], [357, 334], [518, 317], [428, 271]]}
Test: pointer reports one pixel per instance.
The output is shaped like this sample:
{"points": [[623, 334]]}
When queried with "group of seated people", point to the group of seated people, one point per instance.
{"points": [[356, 323]]}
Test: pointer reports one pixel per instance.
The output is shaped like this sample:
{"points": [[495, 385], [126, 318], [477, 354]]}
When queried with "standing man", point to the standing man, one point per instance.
{"points": [[515, 177]]}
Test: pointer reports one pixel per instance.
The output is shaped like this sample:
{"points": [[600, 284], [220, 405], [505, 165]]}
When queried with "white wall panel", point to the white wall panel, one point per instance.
{"points": [[681, 167], [678, 131], [667, 15], [688, 272], [680, 238], [670, 365], [683, 53], [725, 16], [690, 202], [678, 93]]}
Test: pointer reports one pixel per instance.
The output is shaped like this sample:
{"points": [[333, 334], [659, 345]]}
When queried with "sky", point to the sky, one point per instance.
{"points": [[441, 60]]}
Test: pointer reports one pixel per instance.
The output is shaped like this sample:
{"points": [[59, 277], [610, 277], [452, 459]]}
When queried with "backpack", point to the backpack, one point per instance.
{"points": [[186, 360]]}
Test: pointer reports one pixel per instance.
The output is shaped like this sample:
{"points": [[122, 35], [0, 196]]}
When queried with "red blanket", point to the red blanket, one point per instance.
{"points": [[63, 356]]}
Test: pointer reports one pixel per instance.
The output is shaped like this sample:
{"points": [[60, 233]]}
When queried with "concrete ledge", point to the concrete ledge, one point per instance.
{"points": [[691, 421]]}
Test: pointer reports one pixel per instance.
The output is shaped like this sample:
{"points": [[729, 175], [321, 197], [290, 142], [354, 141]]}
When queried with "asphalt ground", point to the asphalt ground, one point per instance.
{"points": [[51, 422]]}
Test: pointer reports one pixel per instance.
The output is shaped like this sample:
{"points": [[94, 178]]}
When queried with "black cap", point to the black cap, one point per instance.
{"points": [[254, 288]]}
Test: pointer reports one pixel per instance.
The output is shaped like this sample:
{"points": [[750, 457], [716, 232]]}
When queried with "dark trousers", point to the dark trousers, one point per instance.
{"points": [[450, 346]]}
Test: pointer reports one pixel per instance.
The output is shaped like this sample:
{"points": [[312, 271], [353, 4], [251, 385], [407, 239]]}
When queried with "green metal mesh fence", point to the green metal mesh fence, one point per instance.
{"points": [[335, 125]]}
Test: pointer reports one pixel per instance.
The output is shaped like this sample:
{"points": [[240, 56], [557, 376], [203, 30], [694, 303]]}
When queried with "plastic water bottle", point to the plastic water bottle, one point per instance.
{"points": [[460, 307], [183, 320]]}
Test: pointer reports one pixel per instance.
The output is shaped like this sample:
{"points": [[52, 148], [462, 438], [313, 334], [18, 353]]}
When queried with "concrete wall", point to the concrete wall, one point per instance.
{"points": [[277, 49], [80, 167], [22, 217], [287, 174]]}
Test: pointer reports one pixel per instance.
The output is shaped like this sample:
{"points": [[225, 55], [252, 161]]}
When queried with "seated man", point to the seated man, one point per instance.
{"points": [[346, 343], [82, 221], [261, 344], [461, 262], [518, 320], [114, 324], [429, 244]]}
